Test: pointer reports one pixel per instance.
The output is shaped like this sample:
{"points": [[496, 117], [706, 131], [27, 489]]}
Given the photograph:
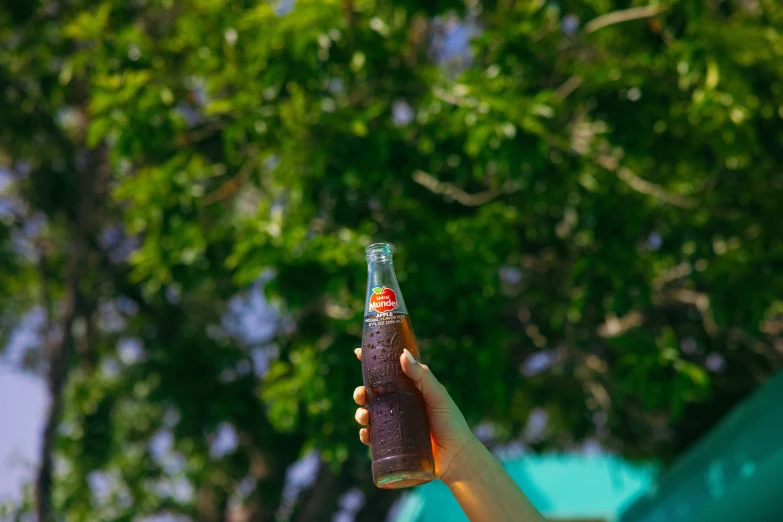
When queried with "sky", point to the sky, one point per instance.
{"points": [[23, 404], [23, 401], [22, 407]]}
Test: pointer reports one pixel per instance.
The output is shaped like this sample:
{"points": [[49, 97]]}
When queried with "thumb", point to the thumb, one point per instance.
{"points": [[433, 391]]}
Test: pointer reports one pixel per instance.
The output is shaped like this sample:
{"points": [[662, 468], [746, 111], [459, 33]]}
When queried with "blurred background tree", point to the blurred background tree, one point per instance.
{"points": [[583, 199]]}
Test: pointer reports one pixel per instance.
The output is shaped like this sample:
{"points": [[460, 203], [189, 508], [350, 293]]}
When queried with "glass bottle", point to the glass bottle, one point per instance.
{"points": [[400, 441]]}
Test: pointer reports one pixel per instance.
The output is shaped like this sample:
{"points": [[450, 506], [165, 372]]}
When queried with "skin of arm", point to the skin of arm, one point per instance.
{"points": [[483, 489]]}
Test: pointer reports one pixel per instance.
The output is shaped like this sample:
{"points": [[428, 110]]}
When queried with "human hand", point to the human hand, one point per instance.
{"points": [[449, 432]]}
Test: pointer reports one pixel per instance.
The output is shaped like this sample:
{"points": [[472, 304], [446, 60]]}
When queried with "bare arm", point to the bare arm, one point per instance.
{"points": [[484, 490]]}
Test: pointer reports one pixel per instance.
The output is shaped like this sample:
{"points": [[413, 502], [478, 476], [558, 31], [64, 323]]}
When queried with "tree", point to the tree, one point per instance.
{"points": [[583, 206]]}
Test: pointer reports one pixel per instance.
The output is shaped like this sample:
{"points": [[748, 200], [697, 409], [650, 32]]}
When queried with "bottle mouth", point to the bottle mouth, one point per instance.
{"points": [[378, 251]]}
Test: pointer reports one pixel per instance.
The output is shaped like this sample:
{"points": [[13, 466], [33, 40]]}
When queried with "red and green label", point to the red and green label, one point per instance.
{"points": [[383, 299]]}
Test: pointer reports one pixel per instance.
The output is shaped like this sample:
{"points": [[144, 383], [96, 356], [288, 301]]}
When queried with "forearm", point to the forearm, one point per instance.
{"points": [[484, 490]]}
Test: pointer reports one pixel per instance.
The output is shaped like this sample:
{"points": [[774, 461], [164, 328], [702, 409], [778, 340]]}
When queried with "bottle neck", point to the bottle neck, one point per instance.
{"points": [[383, 290], [381, 273]]}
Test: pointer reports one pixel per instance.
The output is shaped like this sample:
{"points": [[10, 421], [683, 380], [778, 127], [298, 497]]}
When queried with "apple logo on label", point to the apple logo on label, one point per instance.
{"points": [[383, 299]]}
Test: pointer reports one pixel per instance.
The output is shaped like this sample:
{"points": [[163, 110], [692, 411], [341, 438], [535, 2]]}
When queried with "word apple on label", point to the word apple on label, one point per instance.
{"points": [[383, 299]]}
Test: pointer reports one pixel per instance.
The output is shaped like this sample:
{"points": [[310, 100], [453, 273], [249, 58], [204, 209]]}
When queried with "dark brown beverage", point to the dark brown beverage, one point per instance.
{"points": [[400, 441], [399, 428]]}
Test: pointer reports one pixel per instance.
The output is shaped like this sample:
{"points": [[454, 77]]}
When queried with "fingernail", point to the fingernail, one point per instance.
{"points": [[409, 356], [357, 350]]}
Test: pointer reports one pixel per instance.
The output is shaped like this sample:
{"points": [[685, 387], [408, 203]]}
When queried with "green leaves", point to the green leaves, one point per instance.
{"points": [[587, 223], [377, 290], [89, 24]]}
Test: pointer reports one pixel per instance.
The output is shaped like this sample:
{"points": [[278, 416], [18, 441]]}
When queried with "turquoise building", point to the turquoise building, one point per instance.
{"points": [[564, 488], [733, 474]]}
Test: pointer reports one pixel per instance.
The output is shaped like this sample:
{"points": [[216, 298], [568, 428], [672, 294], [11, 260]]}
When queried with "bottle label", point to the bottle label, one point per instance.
{"points": [[383, 299]]}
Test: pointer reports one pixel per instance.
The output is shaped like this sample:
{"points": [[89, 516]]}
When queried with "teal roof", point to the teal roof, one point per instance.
{"points": [[567, 487], [734, 473]]}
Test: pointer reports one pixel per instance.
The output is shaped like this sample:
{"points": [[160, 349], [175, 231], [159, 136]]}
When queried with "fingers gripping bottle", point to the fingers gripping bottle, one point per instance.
{"points": [[399, 429]]}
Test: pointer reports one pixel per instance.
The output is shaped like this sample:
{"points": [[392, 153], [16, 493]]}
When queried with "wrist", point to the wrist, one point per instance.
{"points": [[463, 462]]}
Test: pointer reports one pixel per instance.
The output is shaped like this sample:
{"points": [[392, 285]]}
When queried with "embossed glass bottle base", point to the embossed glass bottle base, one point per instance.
{"points": [[389, 473]]}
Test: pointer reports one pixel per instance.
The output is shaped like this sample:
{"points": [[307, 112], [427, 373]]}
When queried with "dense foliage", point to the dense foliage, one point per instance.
{"points": [[584, 205]]}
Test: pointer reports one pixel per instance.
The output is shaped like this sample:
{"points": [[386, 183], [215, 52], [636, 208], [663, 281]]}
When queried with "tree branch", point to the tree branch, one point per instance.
{"points": [[91, 183], [454, 98], [641, 185], [624, 15], [46, 300], [672, 274], [451, 191], [567, 87], [615, 17], [615, 326], [321, 497], [698, 299], [651, 189], [58, 355], [231, 186]]}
